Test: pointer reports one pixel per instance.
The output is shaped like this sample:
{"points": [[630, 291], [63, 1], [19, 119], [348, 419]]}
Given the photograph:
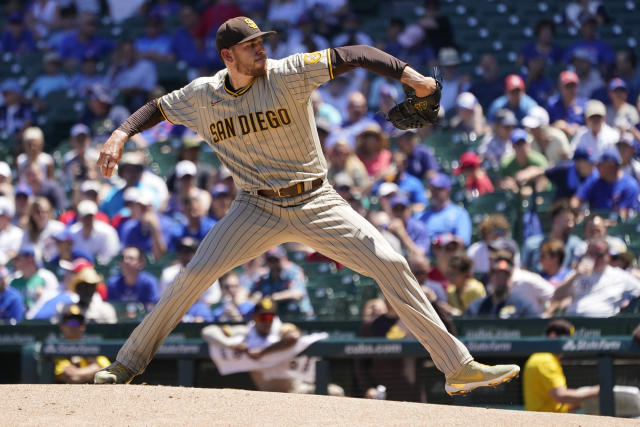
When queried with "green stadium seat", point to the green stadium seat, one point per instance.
{"points": [[486, 204]]}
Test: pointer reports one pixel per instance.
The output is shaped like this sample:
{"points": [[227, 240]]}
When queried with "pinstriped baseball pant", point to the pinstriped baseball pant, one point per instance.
{"points": [[320, 219]]}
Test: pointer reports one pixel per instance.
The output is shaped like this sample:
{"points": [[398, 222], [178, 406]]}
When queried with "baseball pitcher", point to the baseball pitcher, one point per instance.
{"points": [[256, 113]]}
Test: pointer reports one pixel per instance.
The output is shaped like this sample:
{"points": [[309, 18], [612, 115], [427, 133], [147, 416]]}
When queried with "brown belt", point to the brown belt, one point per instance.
{"points": [[293, 190]]}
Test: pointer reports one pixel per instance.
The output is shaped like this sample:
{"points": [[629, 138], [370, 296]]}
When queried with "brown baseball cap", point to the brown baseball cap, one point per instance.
{"points": [[238, 30]]}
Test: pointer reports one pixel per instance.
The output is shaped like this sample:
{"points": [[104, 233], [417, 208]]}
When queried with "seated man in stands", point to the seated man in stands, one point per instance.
{"points": [[133, 284], [76, 369], [234, 307], [595, 288], [613, 190], [543, 382], [463, 288], [501, 302], [266, 334], [284, 283], [11, 301]]}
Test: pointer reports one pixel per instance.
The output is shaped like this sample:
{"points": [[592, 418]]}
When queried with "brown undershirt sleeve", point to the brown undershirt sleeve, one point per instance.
{"points": [[144, 118], [346, 58]]}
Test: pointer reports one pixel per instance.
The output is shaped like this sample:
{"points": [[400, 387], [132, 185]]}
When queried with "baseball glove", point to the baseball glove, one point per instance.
{"points": [[416, 112]]}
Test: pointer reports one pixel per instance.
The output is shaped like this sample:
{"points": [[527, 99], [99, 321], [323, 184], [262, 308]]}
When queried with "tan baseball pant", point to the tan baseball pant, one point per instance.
{"points": [[320, 219]]}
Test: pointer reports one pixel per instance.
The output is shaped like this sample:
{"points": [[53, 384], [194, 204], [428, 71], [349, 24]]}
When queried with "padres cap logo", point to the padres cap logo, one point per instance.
{"points": [[250, 23], [312, 58]]}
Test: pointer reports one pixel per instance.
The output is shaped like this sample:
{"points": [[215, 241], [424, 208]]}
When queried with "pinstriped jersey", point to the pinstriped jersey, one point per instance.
{"points": [[264, 133]]}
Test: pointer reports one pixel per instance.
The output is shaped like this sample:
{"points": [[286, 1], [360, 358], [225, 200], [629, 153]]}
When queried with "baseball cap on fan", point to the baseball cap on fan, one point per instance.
{"points": [[238, 30], [513, 81]]}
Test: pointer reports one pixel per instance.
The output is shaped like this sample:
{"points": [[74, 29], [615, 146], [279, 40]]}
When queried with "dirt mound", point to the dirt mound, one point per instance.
{"points": [[36, 405]]}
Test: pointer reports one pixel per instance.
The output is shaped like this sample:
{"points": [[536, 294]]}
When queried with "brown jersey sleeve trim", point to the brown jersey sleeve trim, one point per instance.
{"points": [[346, 58], [149, 115]]}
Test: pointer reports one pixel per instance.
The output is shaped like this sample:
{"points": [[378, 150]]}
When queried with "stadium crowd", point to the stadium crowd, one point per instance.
{"points": [[569, 139]]}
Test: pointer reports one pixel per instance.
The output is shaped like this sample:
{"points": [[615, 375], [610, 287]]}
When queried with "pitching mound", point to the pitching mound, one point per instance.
{"points": [[36, 405]]}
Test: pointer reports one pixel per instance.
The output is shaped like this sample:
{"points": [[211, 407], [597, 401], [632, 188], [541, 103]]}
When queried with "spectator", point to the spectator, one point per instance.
{"points": [[190, 149], [234, 307], [407, 184], [77, 369], [43, 16], [453, 83], [421, 268], [495, 232], [304, 38], [155, 45], [410, 231], [543, 46], [214, 15], [88, 75], [44, 187], [10, 235], [342, 160], [221, 199], [11, 300], [563, 218], [252, 271], [598, 49], [352, 33], [88, 190], [566, 109], [501, 302], [491, 86], [23, 198], [547, 140], [52, 80], [82, 157], [186, 249], [81, 289], [102, 116], [325, 111], [6, 188], [185, 45], [82, 40], [620, 114], [34, 283], [443, 247], [131, 170], [381, 220], [438, 30], [498, 145], [577, 11], [515, 99], [543, 382], [144, 229], [463, 288], [284, 283], [421, 162], [196, 222], [626, 69], [33, 146], [133, 284], [92, 236], [527, 285], [372, 309], [612, 190], [583, 62], [595, 226], [522, 167], [16, 38], [469, 118], [552, 254], [476, 180], [442, 216], [413, 48], [539, 87], [356, 120], [131, 75], [15, 114], [597, 135], [40, 228], [371, 148], [186, 187], [596, 289], [627, 148], [390, 42], [266, 335]]}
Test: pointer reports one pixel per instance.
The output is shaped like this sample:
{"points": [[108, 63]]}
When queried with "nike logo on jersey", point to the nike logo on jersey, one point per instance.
{"points": [[244, 124], [217, 102]]}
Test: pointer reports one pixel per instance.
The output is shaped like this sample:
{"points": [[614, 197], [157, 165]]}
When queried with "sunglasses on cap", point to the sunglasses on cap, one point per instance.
{"points": [[265, 317]]}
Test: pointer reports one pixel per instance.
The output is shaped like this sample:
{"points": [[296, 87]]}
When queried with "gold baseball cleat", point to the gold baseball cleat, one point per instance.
{"points": [[474, 375]]}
